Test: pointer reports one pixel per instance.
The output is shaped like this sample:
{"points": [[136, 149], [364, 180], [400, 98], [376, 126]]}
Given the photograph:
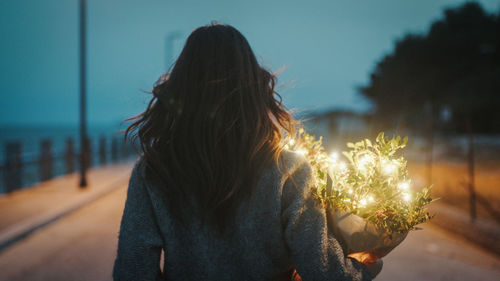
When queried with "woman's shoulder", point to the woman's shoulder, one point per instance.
{"points": [[288, 167], [291, 161], [140, 177], [138, 169]]}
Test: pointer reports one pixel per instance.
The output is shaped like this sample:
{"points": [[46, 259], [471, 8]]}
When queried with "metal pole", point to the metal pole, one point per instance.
{"points": [[470, 166], [83, 125], [13, 166], [430, 140]]}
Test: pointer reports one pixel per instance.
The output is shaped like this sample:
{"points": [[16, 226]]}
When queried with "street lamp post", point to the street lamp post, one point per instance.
{"points": [[83, 125]]}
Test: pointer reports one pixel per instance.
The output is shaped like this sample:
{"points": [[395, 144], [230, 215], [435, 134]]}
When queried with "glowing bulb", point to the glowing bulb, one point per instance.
{"points": [[361, 167], [286, 146], [370, 199], [302, 151], [366, 159], [342, 166], [291, 142], [363, 162], [404, 185], [406, 197], [334, 156], [362, 202], [349, 191], [389, 168]]}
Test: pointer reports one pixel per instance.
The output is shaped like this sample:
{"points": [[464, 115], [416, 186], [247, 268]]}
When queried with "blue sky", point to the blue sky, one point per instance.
{"points": [[326, 49]]}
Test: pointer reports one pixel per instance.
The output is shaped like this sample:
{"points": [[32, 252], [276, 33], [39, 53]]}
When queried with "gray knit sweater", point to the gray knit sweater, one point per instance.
{"points": [[283, 228]]}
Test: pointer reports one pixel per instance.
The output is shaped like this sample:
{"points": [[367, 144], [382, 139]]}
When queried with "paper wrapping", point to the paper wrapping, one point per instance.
{"points": [[355, 234]]}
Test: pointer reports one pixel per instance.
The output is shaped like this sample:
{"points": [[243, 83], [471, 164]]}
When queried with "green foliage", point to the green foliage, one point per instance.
{"points": [[371, 181], [454, 66]]}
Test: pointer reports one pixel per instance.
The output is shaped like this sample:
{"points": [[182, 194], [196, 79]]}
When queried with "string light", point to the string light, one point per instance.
{"points": [[342, 166], [334, 156], [362, 202], [389, 168], [301, 151], [366, 159], [406, 197], [363, 162], [404, 185], [365, 180]]}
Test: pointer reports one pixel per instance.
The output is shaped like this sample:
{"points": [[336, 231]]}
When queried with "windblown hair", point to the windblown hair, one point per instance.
{"points": [[214, 124]]}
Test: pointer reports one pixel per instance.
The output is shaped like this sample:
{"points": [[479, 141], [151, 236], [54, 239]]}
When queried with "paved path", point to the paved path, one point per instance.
{"points": [[26, 210], [82, 246], [433, 254]]}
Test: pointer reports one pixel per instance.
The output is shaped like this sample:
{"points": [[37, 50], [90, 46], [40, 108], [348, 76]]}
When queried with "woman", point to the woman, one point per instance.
{"points": [[214, 189]]}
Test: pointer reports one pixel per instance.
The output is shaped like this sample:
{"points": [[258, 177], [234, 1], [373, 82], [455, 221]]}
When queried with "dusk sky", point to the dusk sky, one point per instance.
{"points": [[325, 49]]}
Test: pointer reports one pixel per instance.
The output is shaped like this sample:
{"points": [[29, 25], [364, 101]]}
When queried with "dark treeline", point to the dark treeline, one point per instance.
{"points": [[448, 78]]}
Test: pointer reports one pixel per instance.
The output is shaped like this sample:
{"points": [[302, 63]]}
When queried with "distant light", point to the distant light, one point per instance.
{"points": [[446, 114], [291, 142]]}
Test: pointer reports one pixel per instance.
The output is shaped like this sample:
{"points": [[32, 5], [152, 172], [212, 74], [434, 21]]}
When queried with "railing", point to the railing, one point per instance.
{"points": [[18, 170]]}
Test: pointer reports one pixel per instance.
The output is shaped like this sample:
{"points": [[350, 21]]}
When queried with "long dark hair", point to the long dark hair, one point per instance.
{"points": [[214, 124]]}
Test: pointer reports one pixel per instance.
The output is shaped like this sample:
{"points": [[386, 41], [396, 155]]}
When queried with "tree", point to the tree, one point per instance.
{"points": [[456, 66]]}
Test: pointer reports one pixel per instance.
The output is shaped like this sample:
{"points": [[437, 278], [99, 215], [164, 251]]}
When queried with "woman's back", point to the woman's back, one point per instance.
{"points": [[281, 228], [208, 190]]}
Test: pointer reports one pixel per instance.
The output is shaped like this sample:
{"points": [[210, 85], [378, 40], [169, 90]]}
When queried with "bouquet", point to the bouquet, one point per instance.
{"points": [[370, 203]]}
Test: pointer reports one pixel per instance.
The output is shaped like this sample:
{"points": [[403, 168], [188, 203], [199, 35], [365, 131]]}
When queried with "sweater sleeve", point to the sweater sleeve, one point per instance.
{"points": [[315, 252], [139, 241]]}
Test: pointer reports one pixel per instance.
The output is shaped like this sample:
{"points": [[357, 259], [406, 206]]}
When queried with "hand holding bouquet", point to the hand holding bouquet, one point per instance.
{"points": [[368, 196]]}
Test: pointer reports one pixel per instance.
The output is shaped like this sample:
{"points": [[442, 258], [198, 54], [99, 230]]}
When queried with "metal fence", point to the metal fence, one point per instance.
{"points": [[19, 171]]}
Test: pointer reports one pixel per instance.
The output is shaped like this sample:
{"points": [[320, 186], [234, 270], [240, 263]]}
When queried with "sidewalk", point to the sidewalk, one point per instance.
{"points": [[481, 232], [24, 211], [82, 246]]}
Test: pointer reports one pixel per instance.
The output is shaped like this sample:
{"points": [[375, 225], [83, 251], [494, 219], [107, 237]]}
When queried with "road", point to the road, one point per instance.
{"points": [[82, 246]]}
